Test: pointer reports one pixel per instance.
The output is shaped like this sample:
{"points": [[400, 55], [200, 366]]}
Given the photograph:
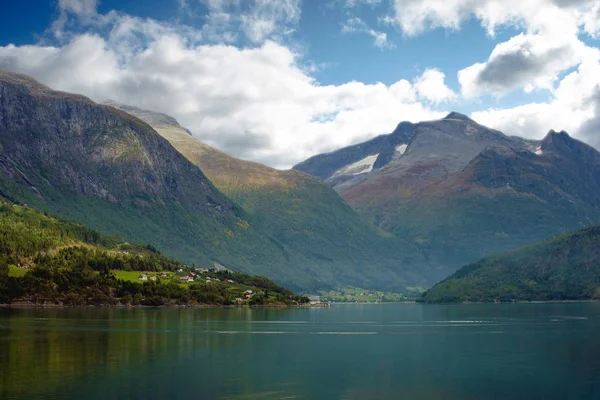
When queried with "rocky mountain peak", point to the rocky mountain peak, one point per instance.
{"points": [[458, 116], [14, 78], [562, 143], [403, 127], [552, 135], [25, 85], [152, 118]]}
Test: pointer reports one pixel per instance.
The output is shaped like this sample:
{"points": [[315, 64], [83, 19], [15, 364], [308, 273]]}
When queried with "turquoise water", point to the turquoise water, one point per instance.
{"points": [[385, 351]]}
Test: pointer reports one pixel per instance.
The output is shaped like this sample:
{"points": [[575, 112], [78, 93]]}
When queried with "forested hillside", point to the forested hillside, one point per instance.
{"points": [[564, 268], [44, 260]]}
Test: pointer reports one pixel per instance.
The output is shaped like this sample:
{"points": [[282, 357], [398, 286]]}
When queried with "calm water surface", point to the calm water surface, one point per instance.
{"points": [[393, 351]]}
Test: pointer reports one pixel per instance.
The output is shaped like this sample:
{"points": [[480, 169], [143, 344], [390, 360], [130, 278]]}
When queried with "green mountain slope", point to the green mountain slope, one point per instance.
{"points": [[63, 262], [303, 213], [70, 156], [564, 268]]}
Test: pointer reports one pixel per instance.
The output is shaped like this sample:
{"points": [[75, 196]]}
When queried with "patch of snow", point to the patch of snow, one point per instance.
{"points": [[470, 130], [539, 151], [400, 149], [360, 167]]}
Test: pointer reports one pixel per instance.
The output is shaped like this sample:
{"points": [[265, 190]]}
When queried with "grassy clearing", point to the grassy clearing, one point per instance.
{"points": [[16, 272], [235, 289], [131, 276]]}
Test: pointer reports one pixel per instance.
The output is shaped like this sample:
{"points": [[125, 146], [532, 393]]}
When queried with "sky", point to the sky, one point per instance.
{"points": [[277, 81]]}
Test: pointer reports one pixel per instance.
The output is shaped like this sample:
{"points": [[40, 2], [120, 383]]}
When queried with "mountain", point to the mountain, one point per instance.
{"points": [[67, 155], [461, 191], [48, 260], [302, 212], [564, 268]]}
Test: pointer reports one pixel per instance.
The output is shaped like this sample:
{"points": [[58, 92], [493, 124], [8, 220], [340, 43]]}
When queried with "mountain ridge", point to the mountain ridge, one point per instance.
{"points": [[461, 191]]}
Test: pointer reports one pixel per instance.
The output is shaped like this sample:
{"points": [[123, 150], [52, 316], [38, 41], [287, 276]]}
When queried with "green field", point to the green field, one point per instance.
{"points": [[16, 272], [132, 276], [234, 289]]}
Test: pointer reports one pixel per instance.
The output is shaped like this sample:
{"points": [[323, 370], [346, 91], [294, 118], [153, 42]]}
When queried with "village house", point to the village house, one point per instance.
{"points": [[248, 293], [153, 278], [230, 281], [143, 277]]}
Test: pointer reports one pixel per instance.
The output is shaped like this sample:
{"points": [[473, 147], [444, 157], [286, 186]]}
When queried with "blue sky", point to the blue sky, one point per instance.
{"points": [[279, 80]]}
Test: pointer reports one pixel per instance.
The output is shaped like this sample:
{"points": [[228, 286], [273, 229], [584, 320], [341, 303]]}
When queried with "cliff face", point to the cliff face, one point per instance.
{"points": [[66, 142]]}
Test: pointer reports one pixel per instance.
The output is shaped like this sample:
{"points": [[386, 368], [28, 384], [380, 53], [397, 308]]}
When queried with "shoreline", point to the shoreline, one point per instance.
{"points": [[30, 305]]}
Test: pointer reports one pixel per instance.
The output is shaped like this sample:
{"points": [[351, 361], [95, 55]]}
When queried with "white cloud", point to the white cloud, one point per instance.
{"points": [[358, 3], [431, 86], [357, 25], [525, 61], [79, 7], [354, 24], [549, 42], [548, 45], [83, 64], [257, 19], [82, 10], [270, 16], [574, 107], [380, 39], [259, 103], [415, 17]]}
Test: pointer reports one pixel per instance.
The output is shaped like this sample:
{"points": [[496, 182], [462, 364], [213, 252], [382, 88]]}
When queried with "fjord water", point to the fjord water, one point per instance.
{"points": [[385, 351]]}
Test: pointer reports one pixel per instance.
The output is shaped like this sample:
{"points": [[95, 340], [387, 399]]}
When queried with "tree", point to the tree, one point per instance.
{"points": [[4, 296]]}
